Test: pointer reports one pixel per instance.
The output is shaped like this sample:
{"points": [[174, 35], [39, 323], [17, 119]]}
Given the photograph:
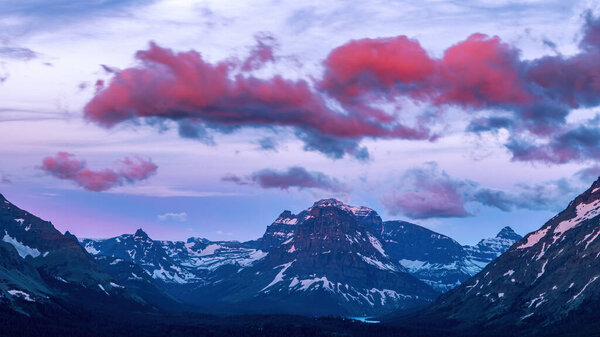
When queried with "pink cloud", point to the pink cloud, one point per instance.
{"points": [[184, 88], [63, 165], [335, 112]]}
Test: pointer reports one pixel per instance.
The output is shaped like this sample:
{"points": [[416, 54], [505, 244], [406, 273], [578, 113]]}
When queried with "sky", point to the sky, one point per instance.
{"points": [[209, 118]]}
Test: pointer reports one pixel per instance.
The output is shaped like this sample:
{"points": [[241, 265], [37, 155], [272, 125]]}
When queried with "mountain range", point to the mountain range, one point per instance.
{"points": [[548, 283], [330, 259], [343, 258]]}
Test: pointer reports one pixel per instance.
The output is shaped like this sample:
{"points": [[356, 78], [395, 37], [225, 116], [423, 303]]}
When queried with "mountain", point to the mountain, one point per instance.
{"points": [[138, 248], [40, 267], [433, 258], [330, 264], [547, 281], [172, 263], [488, 250], [437, 259], [375, 262]]}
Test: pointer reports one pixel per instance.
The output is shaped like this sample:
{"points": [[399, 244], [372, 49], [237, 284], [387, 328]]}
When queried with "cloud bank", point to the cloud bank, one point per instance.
{"points": [[360, 92]]}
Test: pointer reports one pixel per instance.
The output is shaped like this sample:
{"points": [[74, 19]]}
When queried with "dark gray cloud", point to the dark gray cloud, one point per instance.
{"points": [[293, 177], [579, 144], [429, 192], [17, 53], [589, 174], [550, 195], [5, 179], [38, 15], [268, 143]]}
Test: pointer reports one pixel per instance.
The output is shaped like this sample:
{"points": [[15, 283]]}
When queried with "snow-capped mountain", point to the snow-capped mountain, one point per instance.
{"points": [[331, 264], [344, 256], [549, 278], [174, 262], [437, 259], [433, 258], [41, 266], [150, 255], [489, 249]]}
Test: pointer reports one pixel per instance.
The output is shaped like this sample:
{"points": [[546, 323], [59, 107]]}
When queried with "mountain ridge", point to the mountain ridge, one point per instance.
{"points": [[547, 280]]}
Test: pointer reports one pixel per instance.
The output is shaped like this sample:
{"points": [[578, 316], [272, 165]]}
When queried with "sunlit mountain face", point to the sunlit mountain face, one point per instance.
{"points": [[299, 168]]}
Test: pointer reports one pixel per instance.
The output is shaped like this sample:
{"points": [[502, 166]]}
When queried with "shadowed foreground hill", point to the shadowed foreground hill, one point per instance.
{"points": [[548, 283]]}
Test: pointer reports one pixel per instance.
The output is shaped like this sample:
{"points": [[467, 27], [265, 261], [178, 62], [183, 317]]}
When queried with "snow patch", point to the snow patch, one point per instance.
{"points": [[534, 238], [102, 288], [377, 263], [279, 277], [22, 249], [584, 287], [584, 212], [112, 284], [209, 250], [89, 247], [21, 294], [376, 244]]}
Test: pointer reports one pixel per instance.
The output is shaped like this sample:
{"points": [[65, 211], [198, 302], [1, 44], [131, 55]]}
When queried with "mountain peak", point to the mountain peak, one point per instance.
{"points": [[508, 233], [71, 235], [331, 202], [141, 234], [196, 239]]}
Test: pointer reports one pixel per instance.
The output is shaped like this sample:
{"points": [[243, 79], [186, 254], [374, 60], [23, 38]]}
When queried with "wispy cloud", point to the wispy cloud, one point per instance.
{"points": [[17, 53], [163, 191], [181, 217]]}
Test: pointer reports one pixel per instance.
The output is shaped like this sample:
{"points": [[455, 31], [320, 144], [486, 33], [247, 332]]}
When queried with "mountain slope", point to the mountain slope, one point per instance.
{"points": [[40, 267], [431, 257], [541, 281]]}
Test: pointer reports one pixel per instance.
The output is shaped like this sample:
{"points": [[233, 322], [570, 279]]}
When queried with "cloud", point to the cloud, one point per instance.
{"points": [[589, 174], [5, 179], [268, 143], [35, 15], [548, 195], [261, 53], [477, 72], [64, 166], [480, 72], [361, 91], [295, 176], [578, 144], [17, 53], [181, 217], [200, 96], [429, 192]]}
